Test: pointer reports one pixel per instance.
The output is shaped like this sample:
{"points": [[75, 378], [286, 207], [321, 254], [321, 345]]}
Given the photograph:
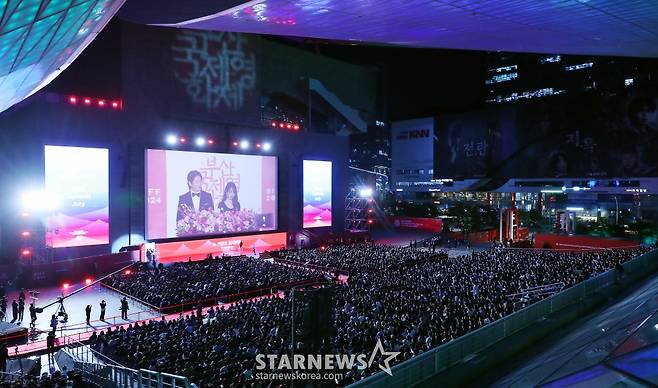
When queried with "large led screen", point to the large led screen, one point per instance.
{"points": [[317, 193], [200, 193], [77, 181]]}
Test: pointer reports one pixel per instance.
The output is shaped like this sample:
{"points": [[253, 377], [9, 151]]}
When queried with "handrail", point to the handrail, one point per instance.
{"points": [[536, 289], [70, 340]]}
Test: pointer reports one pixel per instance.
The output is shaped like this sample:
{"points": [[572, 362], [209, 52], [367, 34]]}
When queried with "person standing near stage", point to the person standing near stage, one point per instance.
{"points": [[21, 309], [88, 313], [4, 355], [103, 305], [53, 323], [14, 311], [50, 343], [124, 308], [33, 314]]}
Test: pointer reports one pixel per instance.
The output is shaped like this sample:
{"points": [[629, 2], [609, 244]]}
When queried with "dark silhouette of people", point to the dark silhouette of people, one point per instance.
{"points": [[53, 323], [21, 296], [124, 308], [14, 311], [88, 313], [50, 343], [229, 200], [195, 199], [103, 305], [4, 355], [21, 309], [33, 314]]}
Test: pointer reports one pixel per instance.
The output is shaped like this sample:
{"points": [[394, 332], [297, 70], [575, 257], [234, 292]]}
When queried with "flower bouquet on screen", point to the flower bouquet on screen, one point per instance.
{"points": [[235, 221], [194, 223]]}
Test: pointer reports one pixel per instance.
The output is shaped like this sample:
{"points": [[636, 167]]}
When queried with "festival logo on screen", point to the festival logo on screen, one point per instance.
{"points": [[217, 68], [193, 193], [317, 193], [78, 178]]}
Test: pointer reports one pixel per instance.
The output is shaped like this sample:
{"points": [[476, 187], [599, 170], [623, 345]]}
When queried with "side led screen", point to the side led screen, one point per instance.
{"points": [[317, 193], [78, 189], [201, 193]]}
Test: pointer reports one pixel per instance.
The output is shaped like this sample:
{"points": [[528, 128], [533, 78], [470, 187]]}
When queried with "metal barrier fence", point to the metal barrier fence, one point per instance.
{"points": [[429, 364]]}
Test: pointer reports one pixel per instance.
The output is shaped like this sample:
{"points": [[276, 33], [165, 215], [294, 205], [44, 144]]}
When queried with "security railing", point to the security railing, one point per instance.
{"points": [[427, 365], [105, 372]]}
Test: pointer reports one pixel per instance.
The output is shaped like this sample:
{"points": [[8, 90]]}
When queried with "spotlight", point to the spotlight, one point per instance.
{"points": [[73, 100], [257, 145], [274, 123], [172, 139], [282, 125], [235, 144], [66, 286], [244, 144], [267, 146], [88, 281], [26, 233], [370, 221], [101, 103], [87, 101], [289, 126], [128, 272], [211, 141], [40, 200], [365, 192], [295, 127], [115, 104], [200, 141], [25, 252], [183, 140]]}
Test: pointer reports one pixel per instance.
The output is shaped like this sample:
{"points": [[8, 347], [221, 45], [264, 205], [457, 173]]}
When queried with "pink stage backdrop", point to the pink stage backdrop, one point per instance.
{"points": [[317, 193], [171, 210], [77, 185], [230, 246]]}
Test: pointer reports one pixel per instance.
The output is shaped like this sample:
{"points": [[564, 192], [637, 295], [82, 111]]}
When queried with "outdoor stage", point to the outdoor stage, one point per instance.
{"points": [[75, 308]]}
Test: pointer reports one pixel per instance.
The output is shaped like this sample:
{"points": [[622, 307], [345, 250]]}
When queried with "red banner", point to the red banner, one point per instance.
{"points": [[556, 241], [417, 223], [199, 249]]}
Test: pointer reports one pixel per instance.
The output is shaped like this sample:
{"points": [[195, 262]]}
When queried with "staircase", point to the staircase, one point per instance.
{"points": [[101, 371]]}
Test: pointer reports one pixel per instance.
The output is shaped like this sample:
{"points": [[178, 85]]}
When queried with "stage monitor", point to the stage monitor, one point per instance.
{"points": [[77, 185], [192, 194], [317, 193]]}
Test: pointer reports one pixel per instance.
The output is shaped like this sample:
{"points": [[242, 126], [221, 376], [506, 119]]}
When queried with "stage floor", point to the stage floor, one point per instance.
{"points": [[75, 308]]}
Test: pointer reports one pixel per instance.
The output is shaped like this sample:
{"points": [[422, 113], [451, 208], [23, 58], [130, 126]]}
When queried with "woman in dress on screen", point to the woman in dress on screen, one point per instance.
{"points": [[229, 202]]}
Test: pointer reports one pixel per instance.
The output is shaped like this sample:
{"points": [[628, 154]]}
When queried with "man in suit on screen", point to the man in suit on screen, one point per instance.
{"points": [[195, 199]]}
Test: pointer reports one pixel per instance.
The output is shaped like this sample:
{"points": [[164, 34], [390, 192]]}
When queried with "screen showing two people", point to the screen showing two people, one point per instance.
{"points": [[200, 193]]}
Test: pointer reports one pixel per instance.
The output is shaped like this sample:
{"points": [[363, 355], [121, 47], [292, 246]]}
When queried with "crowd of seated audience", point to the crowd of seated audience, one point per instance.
{"points": [[412, 308], [200, 280], [356, 258], [45, 380], [218, 351]]}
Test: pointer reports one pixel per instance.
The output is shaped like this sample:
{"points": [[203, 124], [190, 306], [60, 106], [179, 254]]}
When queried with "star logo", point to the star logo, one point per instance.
{"points": [[379, 348]]}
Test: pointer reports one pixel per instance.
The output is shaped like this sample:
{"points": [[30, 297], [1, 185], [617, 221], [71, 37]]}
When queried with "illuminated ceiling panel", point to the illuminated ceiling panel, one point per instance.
{"points": [[586, 27], [40, 38]]}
